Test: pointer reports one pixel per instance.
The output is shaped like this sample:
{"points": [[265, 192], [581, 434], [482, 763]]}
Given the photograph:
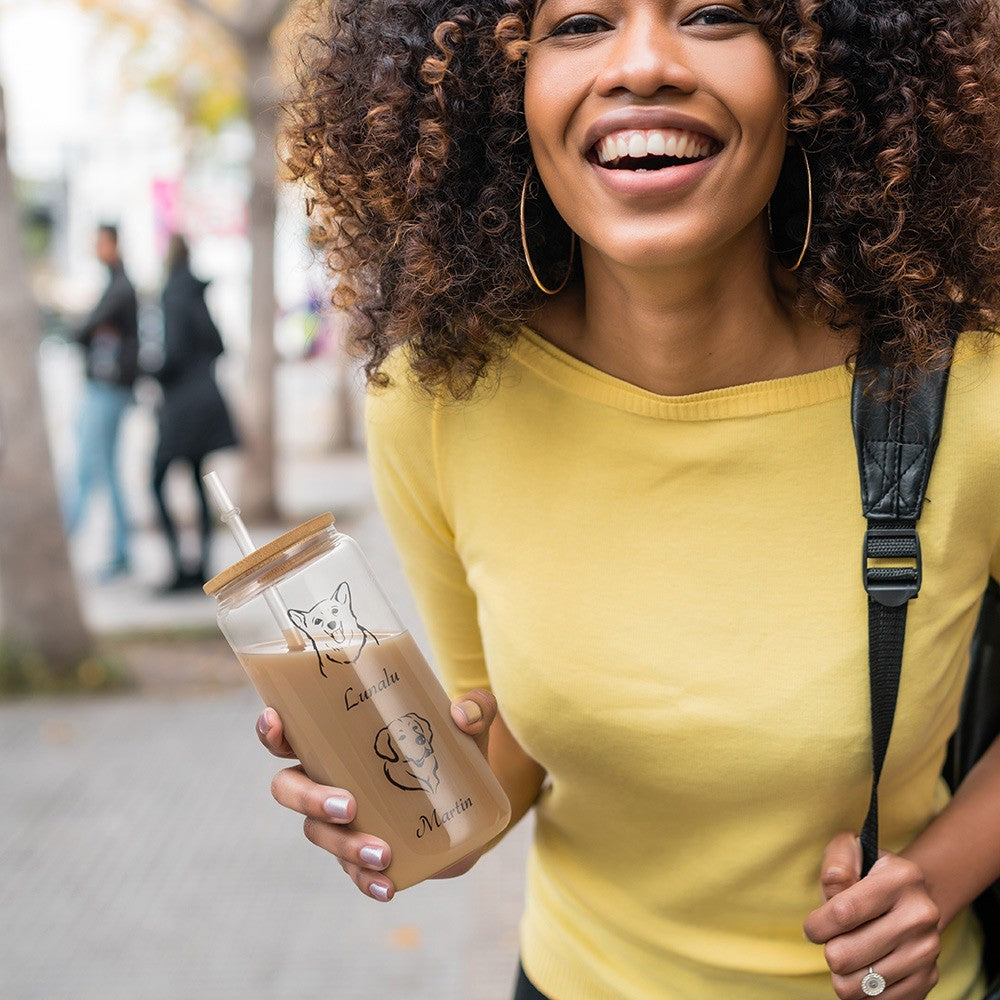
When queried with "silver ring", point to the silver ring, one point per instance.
{"points": [[872, 984]]}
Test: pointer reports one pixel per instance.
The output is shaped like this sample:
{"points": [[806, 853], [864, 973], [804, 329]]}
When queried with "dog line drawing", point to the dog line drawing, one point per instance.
{"points": [[332, 620], [406, 745]]}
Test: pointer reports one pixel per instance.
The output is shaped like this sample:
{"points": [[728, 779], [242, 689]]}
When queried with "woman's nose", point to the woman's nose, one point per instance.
{"points": [[646, 57]]}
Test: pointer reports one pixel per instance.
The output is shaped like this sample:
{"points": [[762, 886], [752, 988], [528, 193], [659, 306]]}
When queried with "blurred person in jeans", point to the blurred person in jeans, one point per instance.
{"points": [[110, 339]]}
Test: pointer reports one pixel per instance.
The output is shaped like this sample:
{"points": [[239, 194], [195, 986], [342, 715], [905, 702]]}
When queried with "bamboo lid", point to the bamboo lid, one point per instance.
{"points": [[268, 553]]}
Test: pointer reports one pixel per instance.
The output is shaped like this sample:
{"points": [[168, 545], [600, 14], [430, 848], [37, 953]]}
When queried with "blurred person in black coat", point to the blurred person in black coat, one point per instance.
{"points": [[193, 417]]}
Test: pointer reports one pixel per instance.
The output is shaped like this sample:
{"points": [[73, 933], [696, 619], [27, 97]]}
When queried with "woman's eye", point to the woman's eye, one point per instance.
{"points": [[580, 24], [718, 15]]}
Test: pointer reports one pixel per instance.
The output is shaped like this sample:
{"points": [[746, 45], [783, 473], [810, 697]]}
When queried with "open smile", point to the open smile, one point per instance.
{"points": [[645, 150]]}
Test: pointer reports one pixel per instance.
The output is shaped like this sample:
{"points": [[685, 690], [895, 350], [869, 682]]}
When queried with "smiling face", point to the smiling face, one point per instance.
{"points": [[657, 126]]}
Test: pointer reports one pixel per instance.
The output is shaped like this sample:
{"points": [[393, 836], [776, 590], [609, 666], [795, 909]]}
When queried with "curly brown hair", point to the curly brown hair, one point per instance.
{"points": [[408, 131]]}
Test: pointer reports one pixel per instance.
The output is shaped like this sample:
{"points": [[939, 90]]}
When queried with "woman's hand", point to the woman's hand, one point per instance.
{"points": [[329, 812], [886, 921]]}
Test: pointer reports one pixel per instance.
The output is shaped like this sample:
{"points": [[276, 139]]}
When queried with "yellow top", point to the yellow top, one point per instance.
{"points": [[665, 595]]}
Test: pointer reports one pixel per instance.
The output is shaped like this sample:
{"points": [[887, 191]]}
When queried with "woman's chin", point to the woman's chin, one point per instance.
{"points": [[654, 254]]}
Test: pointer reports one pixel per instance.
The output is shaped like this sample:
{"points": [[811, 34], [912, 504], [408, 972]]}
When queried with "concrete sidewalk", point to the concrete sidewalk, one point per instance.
{"points": [[143, 857]]}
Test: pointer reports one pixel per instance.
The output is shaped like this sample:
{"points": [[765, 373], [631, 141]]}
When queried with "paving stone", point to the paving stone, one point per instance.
{"points": [[143, 858]]}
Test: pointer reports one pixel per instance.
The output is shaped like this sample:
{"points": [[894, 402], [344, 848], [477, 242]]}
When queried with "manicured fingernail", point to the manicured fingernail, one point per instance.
{"points": [[380, 892], [373, 856], [265, 722], [472, 712], [336, 806]]}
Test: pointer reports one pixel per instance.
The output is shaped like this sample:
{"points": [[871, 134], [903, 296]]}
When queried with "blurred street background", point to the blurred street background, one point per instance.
{"points": [[141, 855]]}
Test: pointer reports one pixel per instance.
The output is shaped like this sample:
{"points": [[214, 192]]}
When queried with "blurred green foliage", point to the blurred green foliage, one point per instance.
{"points": [[25, 671], [177, 54]]}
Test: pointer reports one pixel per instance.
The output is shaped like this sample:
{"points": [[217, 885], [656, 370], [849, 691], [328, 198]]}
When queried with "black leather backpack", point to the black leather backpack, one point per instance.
{"points": [[896, 441]]}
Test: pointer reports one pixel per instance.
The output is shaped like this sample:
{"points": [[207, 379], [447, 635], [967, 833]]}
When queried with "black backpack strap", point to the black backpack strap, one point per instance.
{"points": [[896, 439]]}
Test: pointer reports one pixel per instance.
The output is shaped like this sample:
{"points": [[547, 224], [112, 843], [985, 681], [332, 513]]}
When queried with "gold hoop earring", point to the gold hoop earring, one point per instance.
{"points": [[809, 215], [527, 252]]}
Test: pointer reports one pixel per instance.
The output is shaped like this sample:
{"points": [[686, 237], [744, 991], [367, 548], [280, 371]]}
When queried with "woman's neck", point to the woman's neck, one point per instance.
{"points": [[692, 329]]}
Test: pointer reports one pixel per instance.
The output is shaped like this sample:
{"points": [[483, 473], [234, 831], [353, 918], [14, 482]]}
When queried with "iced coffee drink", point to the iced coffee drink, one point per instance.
{"points": [[360, 706]]}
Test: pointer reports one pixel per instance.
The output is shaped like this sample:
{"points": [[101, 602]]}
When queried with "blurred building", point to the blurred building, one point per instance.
{"points": [[90, 151]]}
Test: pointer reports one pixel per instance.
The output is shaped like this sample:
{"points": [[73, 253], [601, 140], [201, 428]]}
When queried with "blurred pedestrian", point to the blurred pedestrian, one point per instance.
{"points": [[110, 338], [193, 418]]}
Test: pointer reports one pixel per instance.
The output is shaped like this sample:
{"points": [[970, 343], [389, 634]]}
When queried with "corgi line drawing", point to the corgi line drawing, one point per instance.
{"points": [[330, 625]]}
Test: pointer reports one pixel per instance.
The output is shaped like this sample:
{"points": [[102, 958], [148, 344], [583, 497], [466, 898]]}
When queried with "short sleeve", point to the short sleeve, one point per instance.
{"points": [[400, 428]]}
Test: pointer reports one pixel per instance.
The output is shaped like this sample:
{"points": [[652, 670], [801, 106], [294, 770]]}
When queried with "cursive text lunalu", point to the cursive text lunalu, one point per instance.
{"points": [[353, 698]]}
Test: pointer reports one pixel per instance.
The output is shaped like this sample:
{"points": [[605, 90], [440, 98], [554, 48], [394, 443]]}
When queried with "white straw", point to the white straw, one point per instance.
{"points": [[229, 514]]}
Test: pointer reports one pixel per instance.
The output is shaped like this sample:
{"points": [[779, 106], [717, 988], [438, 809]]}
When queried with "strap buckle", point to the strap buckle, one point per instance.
{"points": [[892, 586]]}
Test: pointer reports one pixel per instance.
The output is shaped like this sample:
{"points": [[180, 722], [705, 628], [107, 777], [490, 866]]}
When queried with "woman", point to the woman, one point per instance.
{"points": [[193, 418], [609, 260]]}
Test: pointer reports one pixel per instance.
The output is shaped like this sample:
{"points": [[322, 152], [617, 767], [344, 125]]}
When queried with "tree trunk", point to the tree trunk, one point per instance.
{"points": [[39, 605], [344, 428], [258, 499], [251, 29]]}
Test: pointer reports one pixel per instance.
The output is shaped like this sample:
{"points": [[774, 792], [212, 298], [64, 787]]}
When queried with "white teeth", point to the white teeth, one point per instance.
{"points": [[637, 144]]}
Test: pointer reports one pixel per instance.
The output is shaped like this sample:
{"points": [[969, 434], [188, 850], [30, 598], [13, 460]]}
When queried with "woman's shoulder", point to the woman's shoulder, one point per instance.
{"points": [[976, 364], [974, 389], [399, 411], [396, 385], [398, 391]]}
